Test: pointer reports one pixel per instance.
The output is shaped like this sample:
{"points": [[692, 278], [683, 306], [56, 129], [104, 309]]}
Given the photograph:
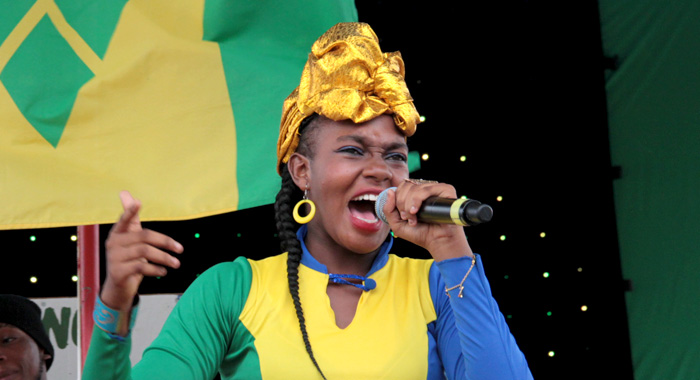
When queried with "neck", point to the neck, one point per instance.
{"points": [[338, 259]]}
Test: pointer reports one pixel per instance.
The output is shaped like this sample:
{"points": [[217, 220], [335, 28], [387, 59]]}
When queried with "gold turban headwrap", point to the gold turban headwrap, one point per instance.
{"points": [[347, 77]]}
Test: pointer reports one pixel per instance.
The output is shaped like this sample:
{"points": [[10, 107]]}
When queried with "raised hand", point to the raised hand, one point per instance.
{"points": [[133, 252]]}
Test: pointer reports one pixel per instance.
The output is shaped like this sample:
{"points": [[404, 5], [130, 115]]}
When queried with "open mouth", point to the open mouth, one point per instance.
{"points": [[362, 208]]}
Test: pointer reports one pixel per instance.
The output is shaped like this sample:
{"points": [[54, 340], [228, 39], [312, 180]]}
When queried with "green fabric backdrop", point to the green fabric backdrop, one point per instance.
{"points": [[654, 118]]}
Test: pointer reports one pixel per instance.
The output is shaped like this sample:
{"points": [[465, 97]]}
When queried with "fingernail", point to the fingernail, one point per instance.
{"points": [[403, 215]]}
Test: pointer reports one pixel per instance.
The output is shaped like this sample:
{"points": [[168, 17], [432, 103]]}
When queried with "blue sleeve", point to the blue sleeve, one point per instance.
{"points": [[473, 339]]}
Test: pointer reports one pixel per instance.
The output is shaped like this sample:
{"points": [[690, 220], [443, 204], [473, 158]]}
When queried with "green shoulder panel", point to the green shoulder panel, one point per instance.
{"points": [[201, 337]]}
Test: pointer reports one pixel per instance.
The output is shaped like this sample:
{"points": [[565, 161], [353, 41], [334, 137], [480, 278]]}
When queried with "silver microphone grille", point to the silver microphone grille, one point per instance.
{"points": [[379, 204]]}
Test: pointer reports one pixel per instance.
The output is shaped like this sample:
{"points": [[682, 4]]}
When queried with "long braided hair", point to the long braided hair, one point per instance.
{"points": [[286, 226]]}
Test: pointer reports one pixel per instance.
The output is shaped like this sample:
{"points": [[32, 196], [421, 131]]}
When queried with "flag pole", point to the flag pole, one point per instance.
{"points": [[88, 283]]}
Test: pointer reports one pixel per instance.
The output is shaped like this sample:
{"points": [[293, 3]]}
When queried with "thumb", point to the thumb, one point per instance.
{"points": [[130, 220], [128, 201]]}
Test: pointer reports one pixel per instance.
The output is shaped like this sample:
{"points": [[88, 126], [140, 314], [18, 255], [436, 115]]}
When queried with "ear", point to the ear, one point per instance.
{"points": [[299, 167], [44, 355]]}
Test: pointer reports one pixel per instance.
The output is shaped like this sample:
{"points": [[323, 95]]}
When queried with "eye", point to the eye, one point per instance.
{"points": [[7, 339], [397, 157], [350, 149]]}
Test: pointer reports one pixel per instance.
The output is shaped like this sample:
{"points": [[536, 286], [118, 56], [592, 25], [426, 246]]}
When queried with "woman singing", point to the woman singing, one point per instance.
{"points": [[335, 303]]}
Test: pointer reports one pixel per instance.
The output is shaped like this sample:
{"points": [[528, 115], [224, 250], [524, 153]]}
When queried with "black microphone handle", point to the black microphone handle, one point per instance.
{"points": [[444, 210], [463, 212]]}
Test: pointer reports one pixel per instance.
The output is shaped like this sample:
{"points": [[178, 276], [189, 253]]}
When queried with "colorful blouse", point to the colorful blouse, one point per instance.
{"points": [[238, 319]]}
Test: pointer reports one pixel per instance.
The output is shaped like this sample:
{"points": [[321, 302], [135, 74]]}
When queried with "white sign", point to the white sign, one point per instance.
{"points": [[60, 317]]}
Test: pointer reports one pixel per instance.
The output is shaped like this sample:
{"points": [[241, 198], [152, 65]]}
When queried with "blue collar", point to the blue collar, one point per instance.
{"points": [[308, 260]]}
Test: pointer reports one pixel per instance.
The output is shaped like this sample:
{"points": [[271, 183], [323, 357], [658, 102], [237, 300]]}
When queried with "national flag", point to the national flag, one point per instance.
{"points": [[178, 101]]}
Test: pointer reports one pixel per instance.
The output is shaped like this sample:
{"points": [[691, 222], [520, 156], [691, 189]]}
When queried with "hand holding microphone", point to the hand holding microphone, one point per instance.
{"points": [[428, 214], [437, 210]]}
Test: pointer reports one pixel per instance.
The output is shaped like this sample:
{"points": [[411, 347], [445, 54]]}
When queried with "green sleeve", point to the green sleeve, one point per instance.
{"points": [[196, 337], [107, 355]]}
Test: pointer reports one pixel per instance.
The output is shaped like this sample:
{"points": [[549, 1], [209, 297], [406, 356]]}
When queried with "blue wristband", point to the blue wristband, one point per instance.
{"points": [[111, 320]]}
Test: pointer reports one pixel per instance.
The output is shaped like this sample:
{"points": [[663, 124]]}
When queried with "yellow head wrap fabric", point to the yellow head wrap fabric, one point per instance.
{"points": [[347, 77]]}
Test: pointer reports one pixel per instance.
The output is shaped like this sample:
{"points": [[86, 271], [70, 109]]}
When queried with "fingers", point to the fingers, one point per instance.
{"points": [[141, 267], [127, 200], [442, 241], [132, 255], [390, 212], [143, 252], [129, 220], [134, 252], [144, 236], [410, 197], [146, 244]]}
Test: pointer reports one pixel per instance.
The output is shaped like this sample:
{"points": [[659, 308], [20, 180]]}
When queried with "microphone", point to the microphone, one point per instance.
{"points": [[464, 212]]}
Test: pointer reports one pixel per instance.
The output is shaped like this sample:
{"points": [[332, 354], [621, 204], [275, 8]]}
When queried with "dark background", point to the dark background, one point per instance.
{"points": [[516, 87]]}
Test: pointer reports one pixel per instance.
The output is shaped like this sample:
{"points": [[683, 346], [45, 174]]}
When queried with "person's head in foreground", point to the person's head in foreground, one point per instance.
{"points": [[26, 352]]}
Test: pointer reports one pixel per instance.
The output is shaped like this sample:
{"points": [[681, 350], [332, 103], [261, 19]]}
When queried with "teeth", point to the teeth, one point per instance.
{"points": [[366, 197]]}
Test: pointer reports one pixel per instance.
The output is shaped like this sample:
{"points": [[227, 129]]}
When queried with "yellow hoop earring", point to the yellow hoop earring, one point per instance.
{"points": [[304, 219]]}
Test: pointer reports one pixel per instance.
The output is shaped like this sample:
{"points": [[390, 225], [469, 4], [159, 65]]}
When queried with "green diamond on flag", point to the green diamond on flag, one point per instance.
{"points": [[45, 89], [177, 101]]}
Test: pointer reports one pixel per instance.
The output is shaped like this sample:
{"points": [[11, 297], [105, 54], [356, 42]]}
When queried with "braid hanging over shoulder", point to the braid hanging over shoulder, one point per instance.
{"points": [[286, 228]]}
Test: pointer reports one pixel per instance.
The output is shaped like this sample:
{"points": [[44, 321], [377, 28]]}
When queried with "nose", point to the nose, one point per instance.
{"points": [[378, 169]]}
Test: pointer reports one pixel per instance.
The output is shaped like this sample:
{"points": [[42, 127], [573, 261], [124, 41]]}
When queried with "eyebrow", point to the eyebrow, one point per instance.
{"points": [[363, 141]]}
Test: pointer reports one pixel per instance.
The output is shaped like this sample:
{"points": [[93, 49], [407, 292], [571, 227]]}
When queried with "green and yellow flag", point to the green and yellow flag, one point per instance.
{"points": [[178, 101]]}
